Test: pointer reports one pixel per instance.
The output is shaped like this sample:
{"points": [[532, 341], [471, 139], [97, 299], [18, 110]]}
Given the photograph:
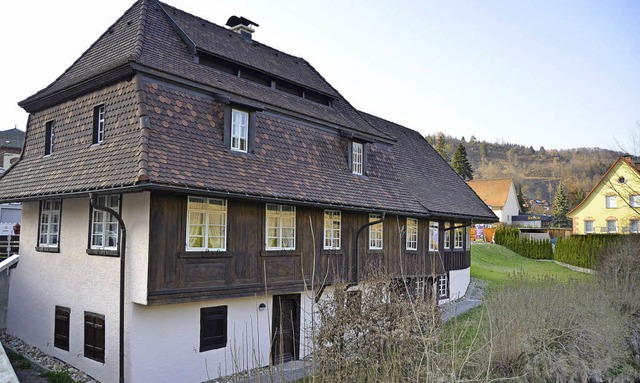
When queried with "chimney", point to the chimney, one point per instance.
{"points": [[242, 26]]}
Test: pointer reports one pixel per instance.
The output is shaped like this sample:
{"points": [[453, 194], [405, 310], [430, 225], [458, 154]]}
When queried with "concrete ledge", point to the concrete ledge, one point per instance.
{"points": [[575, 268], [7, 375]]}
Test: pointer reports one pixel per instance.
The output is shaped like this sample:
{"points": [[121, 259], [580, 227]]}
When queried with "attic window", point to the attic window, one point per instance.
{"points": [[262, 78], [48, 138]]}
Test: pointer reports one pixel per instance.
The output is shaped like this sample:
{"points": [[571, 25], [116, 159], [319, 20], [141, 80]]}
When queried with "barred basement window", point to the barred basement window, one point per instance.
{"points": [[94, 336], [412, 234], [331, 229], [213, 328], [61, 328]]}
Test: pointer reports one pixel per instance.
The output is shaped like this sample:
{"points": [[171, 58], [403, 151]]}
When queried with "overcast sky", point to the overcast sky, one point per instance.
{"points": [[558, 74]]}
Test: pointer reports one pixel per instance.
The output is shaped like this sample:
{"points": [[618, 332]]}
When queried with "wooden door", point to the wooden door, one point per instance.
{"points": [[285, 344]]}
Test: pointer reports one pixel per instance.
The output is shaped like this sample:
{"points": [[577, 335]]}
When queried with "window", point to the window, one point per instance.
{"points": [[239, 130], [447, 236], [442, 286], [433, 236], [412, 234], [281, 227], [48, 138], [104, 226], [331, 229], [206, 224], [98, 124], [49, 229], [213, 328], [458, 235], [612, 226], [94, 336], [588, 227], [61, 328], [357, 158], [634, 227], [611, 202], [375, 232], [634, 200]]}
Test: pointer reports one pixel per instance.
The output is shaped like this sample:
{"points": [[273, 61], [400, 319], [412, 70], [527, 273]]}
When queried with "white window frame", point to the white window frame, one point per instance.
{"points": [[357, 158], [433, 235], [332, 229], [442, 286], [636, 223], [634, 200], [615, 226], [49, 228], [280, 221], [100, 125], [588, 230], [214, 216], [102, 222], [611, 202], [447, 236], [376, 232], [239, 130], [467, 230], [458, 237], [412, 234]]}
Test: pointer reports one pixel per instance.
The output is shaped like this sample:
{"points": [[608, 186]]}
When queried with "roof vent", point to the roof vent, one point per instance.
{"points": [[242, 26]]}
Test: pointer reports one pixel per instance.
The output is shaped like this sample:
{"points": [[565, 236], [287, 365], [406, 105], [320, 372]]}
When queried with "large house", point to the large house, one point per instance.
{"points": [[500, 195], [613, 205], [189, 193]]}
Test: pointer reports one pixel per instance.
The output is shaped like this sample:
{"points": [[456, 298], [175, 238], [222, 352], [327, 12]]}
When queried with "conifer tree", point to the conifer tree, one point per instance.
{"points": [[441, 147], [460, 163], [521, 202], [560, 208]]}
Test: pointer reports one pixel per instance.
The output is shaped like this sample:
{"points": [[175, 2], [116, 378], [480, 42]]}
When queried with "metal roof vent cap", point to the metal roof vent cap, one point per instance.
{"points": [[242, 26]]}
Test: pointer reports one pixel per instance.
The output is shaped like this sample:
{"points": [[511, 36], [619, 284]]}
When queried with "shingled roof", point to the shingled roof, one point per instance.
{"points": [[301, 146]]}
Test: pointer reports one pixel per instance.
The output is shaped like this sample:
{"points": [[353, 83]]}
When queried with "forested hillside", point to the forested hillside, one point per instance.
{"points": [[536, 171]]}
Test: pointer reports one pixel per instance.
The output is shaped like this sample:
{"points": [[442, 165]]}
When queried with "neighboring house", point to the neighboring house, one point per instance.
{"points": [[187, 189], [539, 206], [532, 220], [613, 205], [11, 142], [500, 195]]}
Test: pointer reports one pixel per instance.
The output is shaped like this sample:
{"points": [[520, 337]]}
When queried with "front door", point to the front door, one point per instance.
{"points": [[285, 343]]}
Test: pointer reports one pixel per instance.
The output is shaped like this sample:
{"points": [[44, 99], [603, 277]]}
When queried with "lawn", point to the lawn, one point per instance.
{"points": [[496, 264]]}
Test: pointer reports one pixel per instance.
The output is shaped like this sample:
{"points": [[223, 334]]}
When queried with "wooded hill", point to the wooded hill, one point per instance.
{"points": [[537, 171]]}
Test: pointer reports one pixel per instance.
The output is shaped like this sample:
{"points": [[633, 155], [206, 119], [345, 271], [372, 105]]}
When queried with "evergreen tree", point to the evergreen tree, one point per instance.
{"points": [[460, 163], [521, 201], [440, 147], [483, 149], [560, 208]]}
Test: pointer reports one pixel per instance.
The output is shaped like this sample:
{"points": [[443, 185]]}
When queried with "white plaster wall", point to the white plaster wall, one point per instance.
{"points": [[164, 341], [135, 212], [511, 206], [458, 283], [73, 279]]}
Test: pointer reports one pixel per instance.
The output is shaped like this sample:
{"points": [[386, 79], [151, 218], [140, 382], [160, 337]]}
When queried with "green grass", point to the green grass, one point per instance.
{"points": [[58, 377], [497, 264]]}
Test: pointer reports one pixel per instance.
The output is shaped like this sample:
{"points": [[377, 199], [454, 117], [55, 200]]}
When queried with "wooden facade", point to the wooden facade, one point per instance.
{"points": [[247, 268]]}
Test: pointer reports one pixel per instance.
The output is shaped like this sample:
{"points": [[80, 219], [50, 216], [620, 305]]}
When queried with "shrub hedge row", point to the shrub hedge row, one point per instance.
{"points": [[587, 250], [509, 237]]}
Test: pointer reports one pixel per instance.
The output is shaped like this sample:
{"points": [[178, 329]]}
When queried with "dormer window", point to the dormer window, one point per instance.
{"points": [[98, 124], [357, 158], [239, 130]]}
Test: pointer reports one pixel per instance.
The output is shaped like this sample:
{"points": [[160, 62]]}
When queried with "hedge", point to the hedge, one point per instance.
{"points": [[586, 250], [509, 237]]}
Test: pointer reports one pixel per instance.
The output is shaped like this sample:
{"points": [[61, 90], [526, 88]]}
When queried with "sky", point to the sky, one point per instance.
{"points": [[544, 73]]}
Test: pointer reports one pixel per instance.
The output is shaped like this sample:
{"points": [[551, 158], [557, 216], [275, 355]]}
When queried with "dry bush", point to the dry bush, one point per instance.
{"points": [[545, 330], [382, 332]]}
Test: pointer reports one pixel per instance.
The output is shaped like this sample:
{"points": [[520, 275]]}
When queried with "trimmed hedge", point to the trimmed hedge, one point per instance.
{"points": [[509, 237], [586, 250]]}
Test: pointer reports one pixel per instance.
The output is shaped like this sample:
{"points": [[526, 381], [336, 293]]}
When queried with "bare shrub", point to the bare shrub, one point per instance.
{"points": [[541, 329]]}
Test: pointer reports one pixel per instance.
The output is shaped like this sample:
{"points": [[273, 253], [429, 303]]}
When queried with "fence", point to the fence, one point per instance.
{"points": [[9, 244]]}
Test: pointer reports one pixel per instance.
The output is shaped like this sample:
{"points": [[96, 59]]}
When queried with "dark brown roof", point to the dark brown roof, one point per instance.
{"points": [[301, 147]]}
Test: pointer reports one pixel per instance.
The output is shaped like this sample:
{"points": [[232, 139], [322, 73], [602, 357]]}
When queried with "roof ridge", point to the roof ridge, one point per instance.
{"points": [[142, 21], [143, 143]]}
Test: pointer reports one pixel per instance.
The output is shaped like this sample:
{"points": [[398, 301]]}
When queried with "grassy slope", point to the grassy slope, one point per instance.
{"points": [[496, 264]]}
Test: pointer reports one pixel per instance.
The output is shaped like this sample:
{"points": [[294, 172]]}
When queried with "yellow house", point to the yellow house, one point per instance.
{"points": [[613, 206]]}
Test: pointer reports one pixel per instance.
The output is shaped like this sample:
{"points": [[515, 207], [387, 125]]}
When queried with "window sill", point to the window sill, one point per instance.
{"points": [[280, 253], [47, 249], [103, 252], [204, 254]]}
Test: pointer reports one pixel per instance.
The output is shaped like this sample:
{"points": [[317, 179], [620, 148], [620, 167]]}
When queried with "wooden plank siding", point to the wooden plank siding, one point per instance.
{"points": [[245, 268]]}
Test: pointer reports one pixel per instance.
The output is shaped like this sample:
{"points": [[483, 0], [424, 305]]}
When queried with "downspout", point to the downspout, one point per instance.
{"points": [[123, 246], [356, 274]]}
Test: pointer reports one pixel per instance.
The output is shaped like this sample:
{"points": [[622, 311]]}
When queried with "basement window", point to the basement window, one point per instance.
{"points": [[213, 328], [94, 336], [61, 328]]}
